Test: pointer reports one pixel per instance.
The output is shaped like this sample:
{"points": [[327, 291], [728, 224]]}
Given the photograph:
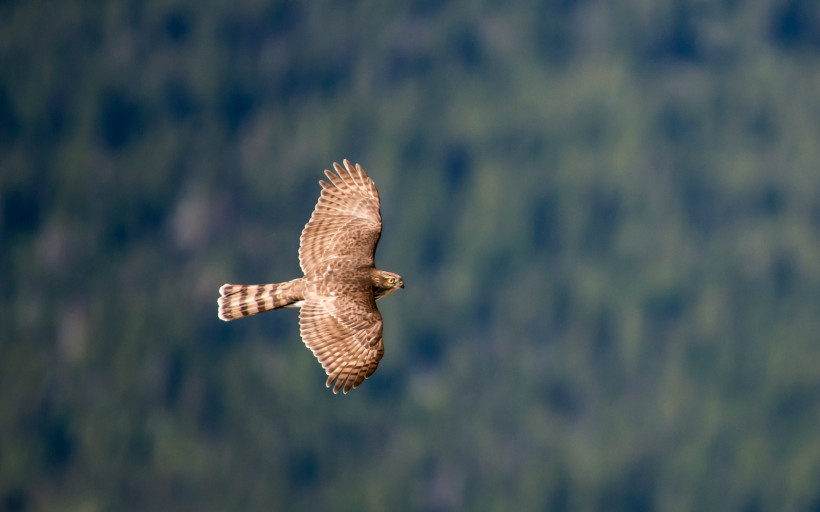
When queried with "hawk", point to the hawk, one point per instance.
{"points": [[338, 320]]}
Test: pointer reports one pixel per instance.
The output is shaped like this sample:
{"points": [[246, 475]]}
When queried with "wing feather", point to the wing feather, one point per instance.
{"points": [[345, 222], [345, 336]]}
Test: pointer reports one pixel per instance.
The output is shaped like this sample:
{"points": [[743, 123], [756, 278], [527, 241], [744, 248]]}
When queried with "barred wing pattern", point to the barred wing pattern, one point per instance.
{"points": [[341, 324], [349, 349], [346, 220]]}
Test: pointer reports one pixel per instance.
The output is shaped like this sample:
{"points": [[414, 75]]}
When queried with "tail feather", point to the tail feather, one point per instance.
{"points": [[241, 300]]}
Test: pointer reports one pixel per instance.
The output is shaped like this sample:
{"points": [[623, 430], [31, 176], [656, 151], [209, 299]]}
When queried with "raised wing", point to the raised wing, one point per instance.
{"points": [[345, 335], [345, 222]]}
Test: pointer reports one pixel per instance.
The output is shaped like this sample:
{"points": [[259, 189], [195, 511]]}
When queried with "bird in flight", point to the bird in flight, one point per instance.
{"points": [[338, 320]]}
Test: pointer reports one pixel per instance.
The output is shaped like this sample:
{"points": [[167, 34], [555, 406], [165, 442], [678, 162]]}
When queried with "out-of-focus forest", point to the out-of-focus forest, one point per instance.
{"points": [[607, 215]]}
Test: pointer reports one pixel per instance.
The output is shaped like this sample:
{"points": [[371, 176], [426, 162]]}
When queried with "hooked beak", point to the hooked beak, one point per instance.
{"points": [[401, 283]]}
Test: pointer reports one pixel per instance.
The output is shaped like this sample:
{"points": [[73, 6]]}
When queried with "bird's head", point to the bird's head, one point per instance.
{"points": [[386, 283]]}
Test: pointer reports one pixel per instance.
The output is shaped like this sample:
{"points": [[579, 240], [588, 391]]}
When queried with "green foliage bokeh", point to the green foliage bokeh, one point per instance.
{"points": [[607, 215]]}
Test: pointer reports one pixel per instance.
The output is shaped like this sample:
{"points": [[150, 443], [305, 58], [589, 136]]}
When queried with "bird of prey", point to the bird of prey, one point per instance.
{"points": [[339, 321]]}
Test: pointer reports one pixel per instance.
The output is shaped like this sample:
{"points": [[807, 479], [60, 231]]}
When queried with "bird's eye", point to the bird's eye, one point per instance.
{"points": [[391, 280]]}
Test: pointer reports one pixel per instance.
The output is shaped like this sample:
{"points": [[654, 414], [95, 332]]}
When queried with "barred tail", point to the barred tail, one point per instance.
{"points": [[241, 300]]}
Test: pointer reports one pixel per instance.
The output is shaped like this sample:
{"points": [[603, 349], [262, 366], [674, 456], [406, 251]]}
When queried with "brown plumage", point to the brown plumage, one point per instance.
{"points": [[339, 321]]}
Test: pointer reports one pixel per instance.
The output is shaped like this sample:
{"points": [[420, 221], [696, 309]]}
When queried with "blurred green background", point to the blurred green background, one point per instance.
{"points": [[607, 215]]}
